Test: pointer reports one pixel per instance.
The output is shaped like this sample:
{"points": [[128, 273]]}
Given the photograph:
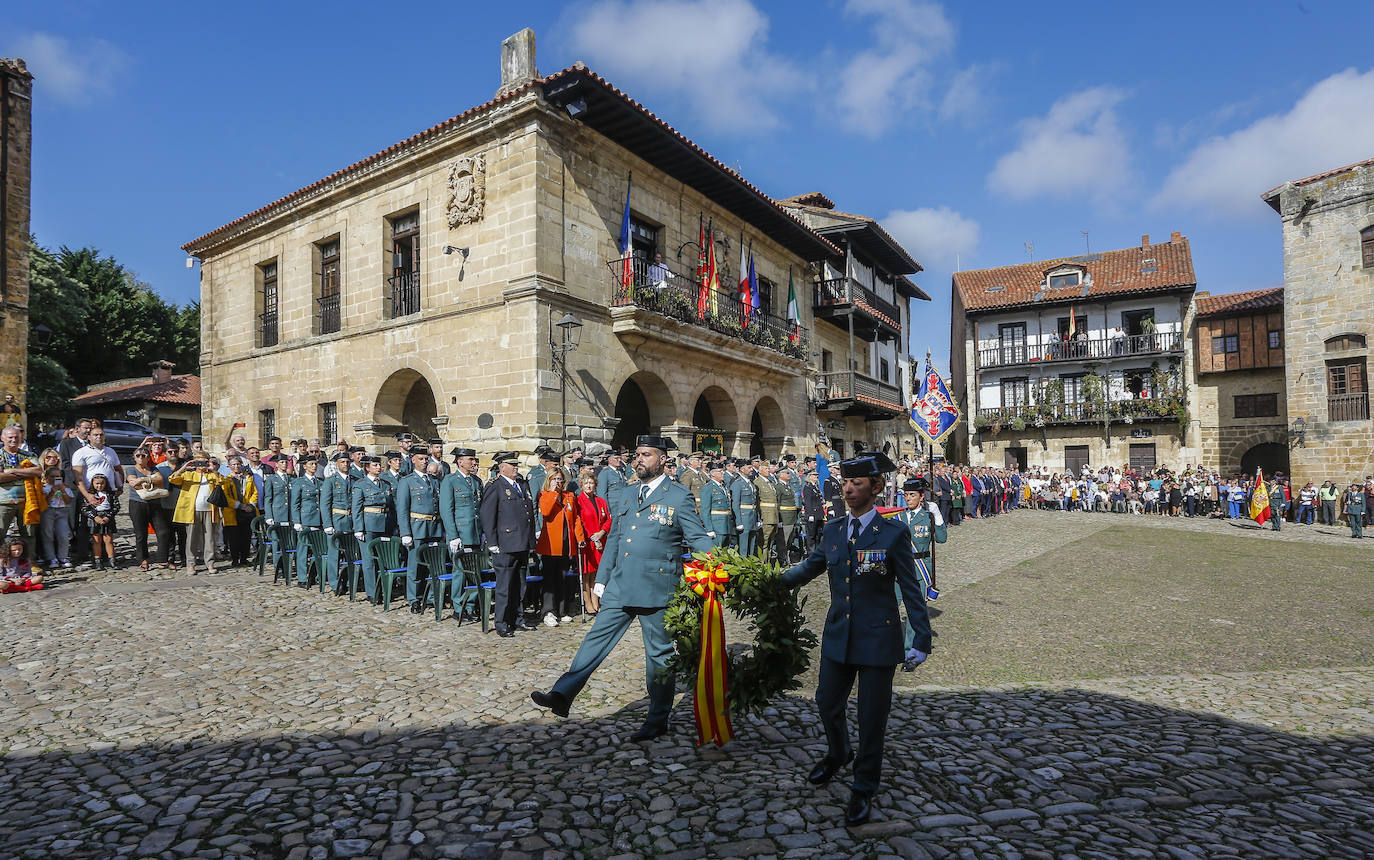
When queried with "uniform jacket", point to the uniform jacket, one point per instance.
{"points": [[920, 523], [276, 497], [606, 479], [642, 563], [813, 506], [507, 516], [717, 515], [744, 500], [460, 498], [563, 529], [693, 481], [305, 502], [336, 496], [833, 490], [863, 626], [768, 500], [787, 503], [535, 479], [376, 495], [417, 507]]}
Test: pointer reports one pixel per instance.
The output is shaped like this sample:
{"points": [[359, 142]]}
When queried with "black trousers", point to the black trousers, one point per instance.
{"points": [[239, 540], [142, 514], [943, 505], [559, 592], [510, 576], [874, 704], [176, 539]]}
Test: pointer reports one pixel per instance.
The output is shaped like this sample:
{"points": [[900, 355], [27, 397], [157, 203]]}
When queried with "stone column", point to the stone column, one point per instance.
{"points": [[16, 89], [775, 445], [740, 446], [682, 435]]}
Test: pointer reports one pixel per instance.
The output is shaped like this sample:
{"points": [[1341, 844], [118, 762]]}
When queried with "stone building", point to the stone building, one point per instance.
{"points": [[165, 401], [1082, 359], [16, 138], [1240, 401], [422, 288], [1328, 301]]}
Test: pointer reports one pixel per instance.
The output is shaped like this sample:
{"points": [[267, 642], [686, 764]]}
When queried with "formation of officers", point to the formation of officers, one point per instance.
{"points": [[416, 497]]}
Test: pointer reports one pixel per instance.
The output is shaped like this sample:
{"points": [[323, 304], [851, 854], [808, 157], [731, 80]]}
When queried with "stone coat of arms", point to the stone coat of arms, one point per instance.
{"points": [[467, 186]]}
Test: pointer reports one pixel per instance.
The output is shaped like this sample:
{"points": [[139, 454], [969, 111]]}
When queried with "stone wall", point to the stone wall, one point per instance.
{"points": [[1045, 446], [16, 138], [1327, 293], [1225, 438]]}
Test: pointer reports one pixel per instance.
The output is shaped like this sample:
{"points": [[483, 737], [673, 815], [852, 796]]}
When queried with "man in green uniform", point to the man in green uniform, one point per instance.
{"points": [[417, 520], [788, 502], [694, 478], [460, 502], [716, 513], [1355, 510], [406, 442], [336, 508], [640, 569], [862, 554], [276, 505], [731, 472], [373, 508], [923, 519], [744, 503], [611, 475], [769, 503], [548, 460], [1277, 503], [305, 512]]}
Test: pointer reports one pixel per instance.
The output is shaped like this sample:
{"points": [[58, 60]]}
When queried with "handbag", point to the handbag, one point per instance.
{"points": [[217, 498], [151, 494]]}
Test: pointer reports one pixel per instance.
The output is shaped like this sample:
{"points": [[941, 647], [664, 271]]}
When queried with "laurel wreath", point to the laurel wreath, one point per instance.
{"points": [[782, 644]]}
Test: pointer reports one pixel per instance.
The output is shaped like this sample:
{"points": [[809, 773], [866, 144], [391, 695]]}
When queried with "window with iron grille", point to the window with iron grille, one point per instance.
{"points": [[267, 426], [403, 287], [328, 314], [267, 304], [1257, 405], [1275, 339], [1225, 343], [329, 423], [1014, 391]]}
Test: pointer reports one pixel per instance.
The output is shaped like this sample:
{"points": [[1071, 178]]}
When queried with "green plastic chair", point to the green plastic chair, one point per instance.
{"points": [[438, 580], [479, 581], [267, 544], [317, 543], [352, 562], [386, 560], [287, 547]]}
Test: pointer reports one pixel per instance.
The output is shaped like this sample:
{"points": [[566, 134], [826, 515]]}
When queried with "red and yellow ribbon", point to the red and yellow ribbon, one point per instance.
{"points": [[712, 707]]}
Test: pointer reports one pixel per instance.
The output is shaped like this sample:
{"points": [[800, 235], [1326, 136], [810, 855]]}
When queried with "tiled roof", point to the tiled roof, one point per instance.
{"points": [[1143, 269], [1318, 177], [811, 198], [182, 390], [1232, 303]]}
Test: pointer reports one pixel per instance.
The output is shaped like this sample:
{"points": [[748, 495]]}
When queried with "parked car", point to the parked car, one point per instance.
{"points": [[125, 436]]}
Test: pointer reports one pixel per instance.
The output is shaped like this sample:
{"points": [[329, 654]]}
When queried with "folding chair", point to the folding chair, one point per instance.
{"points": [[386, 560], [479, 581]]}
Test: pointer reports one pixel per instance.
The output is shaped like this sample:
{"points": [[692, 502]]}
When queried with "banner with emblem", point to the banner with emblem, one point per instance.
{"points": [[934, 414]]}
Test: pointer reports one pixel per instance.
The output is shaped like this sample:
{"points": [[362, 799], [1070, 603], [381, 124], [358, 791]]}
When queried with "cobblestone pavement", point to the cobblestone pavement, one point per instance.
{"points": [[221, 716]]}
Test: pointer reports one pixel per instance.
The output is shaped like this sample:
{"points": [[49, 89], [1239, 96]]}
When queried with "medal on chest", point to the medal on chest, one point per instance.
{"points": [[662, 514], [869, 562]]}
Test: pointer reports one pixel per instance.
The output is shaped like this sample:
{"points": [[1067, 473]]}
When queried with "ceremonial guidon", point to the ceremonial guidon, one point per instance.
{"points": [[862, 554], [374, 510], [923, 520], [417, 519], [640, 569]]}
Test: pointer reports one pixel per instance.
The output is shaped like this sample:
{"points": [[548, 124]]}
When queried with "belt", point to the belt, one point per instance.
{"points": [[925, 554], [787, 508], [374, 510], [422, 516], [342, 513], [722, 513]]}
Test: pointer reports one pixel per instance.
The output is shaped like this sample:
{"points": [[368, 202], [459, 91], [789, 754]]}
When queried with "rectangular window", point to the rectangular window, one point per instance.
{"points": [[766, 293], [884, 370], [267, 426], [1257, 405], [1065, 279], [1275, 339], [268, 303], [1143, 457], [1014, 391], [1073, 387], [327, 316], [403, 287], [1225, 343], [1075, 458], [643, 239], [1347, 390], [1134, 322], [329, 423], [1367, 247], [1011, 343], [827, 360], [1080, 324]]}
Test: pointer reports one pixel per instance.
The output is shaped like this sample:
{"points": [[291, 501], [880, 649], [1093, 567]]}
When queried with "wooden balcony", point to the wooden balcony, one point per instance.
{"points": [[1348, 407], [994, 419], [1092, 349], [854, 393], [840, 299]]}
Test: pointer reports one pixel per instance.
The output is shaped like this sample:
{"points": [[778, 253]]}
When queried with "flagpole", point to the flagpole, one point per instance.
{"points": [[930, 479]]}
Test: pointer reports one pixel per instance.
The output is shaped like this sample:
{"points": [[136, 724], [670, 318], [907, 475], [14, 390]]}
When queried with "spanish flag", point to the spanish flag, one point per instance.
{"points": [[1259, 499]]}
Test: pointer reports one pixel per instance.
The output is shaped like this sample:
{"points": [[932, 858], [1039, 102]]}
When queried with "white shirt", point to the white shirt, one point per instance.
{"points": [[102, 461], [652, 485]]}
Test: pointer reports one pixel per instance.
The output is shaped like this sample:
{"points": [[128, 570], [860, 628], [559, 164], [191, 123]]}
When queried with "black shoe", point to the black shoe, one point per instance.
{"points": [[300, 584], [521, 625], [647, 732], [504, 632], [860, 805], [556, 702], [417, 608], [826, 768]]}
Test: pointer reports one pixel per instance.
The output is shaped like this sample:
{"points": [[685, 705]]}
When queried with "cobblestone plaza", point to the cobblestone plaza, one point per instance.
{"points": [[222, 716]]}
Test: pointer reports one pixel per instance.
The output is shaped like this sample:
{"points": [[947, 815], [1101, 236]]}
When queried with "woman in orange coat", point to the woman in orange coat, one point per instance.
{"points": [[560, 539], [595, 516]]}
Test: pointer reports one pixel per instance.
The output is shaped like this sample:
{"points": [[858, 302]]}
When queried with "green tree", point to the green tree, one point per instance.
{"points": [[186, 338]]}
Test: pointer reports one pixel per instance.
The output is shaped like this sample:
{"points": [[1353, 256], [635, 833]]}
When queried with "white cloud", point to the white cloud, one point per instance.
{"points": [[878, 84], [1329, 126], [713, 52], [1076, 149], [71, 72], [935, 237], [966, 100]]}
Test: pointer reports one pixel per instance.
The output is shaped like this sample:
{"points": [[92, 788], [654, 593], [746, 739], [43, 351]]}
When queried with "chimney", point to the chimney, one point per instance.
{"points": [[1145, 241], [1176, 236], [161, 370], [517, 61]]}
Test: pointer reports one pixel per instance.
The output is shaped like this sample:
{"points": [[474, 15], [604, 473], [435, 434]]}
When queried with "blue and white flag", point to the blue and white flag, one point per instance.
{"points": [[934, 413]]}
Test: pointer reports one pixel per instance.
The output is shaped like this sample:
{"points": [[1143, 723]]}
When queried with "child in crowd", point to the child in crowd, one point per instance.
{"points": [[53, 529], [102, 506], [14, 567]]}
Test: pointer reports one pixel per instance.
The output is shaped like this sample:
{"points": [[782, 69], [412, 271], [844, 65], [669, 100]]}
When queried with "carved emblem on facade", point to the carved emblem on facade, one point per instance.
{"points": [[467, 186]]}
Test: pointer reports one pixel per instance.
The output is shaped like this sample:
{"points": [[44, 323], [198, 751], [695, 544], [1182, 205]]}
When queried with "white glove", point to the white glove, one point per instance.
{"points": [[407, 541], [455, 545], [915, 657], [711, 534], [271, 522], [810, 519], [358, 535], [329, 530], [494, 549], [935, 513], [739, 528], [598, 589], [298, 527]]}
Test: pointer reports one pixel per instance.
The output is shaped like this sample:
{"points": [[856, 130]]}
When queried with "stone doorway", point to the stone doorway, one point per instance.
{"points": [[406, 402], [1270, 456], [644, 406]]}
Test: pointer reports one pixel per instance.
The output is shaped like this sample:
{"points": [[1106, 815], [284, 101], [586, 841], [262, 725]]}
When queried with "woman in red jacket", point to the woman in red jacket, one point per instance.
{"points": [[595, 517], [561, 537]]}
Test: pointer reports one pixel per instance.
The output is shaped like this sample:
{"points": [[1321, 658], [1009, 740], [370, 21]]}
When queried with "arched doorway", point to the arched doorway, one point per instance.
{"points": [[1270, 456], [716, 419], [643, 405], [406, 402], [766, 424]]}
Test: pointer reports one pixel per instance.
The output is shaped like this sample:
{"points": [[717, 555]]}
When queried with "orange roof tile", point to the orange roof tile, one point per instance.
{"points": [[1148, 268], [1231, 303], [1318, 177], [182, 390]]}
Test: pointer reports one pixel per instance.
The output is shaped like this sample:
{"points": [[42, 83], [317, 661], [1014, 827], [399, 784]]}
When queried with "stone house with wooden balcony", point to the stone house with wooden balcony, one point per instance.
{"points": [[421, 289], [1077, 360]]}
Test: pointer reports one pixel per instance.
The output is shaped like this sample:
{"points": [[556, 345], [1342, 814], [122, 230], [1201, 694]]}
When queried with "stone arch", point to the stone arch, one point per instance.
{"points": [[767, 424], [716, 402], [643, 404], [1235, 459], [406, 400]]}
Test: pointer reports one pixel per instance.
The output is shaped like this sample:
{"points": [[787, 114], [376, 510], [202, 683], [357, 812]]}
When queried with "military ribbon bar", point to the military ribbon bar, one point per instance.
{"points": [[711, 707]]}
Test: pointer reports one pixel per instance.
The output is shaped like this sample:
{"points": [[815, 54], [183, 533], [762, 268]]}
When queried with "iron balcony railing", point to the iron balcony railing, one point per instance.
{"points": [[329, 313], [836, 385], [1348, 407], [844, 291], [1160, 408], [655, 287], [1081, 350], [403, 297], [267, 329]]}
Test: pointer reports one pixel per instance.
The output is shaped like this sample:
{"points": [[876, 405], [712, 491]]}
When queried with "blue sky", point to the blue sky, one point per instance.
{"points": [[968, 129]]}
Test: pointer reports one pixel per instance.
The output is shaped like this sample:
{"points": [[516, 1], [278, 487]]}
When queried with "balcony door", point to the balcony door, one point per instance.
{"points": [[1011, 343]]}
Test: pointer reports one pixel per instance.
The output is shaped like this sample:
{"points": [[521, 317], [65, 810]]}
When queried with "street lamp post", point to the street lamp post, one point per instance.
{"points": [[570, 338]]}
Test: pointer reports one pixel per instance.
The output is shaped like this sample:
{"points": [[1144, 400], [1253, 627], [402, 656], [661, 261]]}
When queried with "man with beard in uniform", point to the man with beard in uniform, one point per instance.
{"points": [[507, 512]]}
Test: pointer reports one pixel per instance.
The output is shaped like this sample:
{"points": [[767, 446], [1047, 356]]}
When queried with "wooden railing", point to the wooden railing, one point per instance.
{"points": [[852, 385], [1348, 407], [1081, 350], [840, 291]]}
